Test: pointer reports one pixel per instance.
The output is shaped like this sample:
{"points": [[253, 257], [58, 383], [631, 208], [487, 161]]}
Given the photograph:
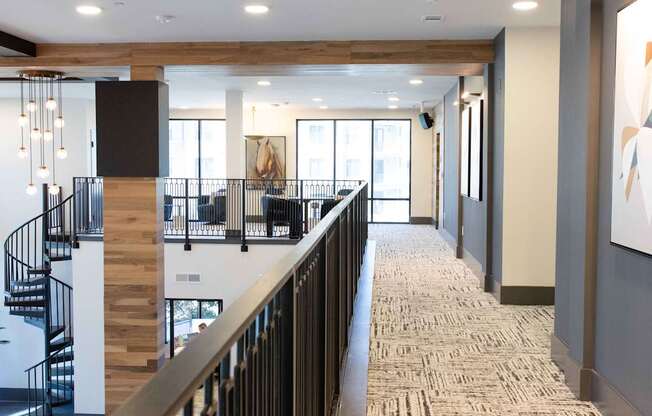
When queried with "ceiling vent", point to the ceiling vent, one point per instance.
{"points": [[432, 18], [188, 278]]}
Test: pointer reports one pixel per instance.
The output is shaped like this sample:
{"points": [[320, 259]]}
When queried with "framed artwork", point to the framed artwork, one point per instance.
{"points": [[265, 157], [475, 150], [464, 149], [631, 196]]}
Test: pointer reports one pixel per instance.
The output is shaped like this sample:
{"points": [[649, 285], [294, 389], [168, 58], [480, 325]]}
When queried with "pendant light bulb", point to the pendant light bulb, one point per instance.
{"points": [[51, 104], [59, 123], [23, 120], [36, 134], [31, 189], [62, 153], [48, 136], [31, 106], [54, 189], [43, 172], [22, 152]]}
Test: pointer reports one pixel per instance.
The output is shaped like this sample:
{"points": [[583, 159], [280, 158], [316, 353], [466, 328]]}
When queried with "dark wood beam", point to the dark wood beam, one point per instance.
{"points": [[13, 46], [324, 53]]}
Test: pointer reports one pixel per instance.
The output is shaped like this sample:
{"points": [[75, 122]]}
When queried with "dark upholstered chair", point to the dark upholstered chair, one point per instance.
{"points": [[344, 192], [167, 207], [287, 212], [211, 209], [327, 206]]}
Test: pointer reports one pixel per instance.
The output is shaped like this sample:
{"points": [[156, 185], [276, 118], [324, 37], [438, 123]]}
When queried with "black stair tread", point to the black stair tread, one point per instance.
{"points": [[62, 357], [44, 270], [54, 237], [29, 282], [63, 385], [62, 370], [56, 330], [60, 343], [25, 302], [60, 258], [21, 293], [30, 314]]}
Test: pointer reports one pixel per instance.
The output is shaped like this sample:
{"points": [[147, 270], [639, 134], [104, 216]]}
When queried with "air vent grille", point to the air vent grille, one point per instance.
{"points": [[432, 18]]}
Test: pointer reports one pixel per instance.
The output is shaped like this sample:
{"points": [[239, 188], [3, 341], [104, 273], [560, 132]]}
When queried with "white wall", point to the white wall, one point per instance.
{"points": [[531, 139], [27, 342], [226, 274], [282, 122]]}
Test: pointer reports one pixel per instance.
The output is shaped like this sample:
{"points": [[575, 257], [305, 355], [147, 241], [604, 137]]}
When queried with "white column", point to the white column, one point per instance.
{"points": [[235, 145]]}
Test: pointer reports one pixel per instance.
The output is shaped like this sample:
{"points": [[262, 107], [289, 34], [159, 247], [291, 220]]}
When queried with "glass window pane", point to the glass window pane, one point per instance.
{"points": [[353, 150], [315, 149], [391, 159], [184, 148], [391, 211], [210, 309], [213, 149]]}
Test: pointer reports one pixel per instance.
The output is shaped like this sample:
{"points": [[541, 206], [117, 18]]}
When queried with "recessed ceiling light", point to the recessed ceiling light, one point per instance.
{"points": [[256, 9], [184, 107], [416, 81], [164, 18], [394, 99], [264, 83], [466, 95], [392, 107], [323, 107], [456, 103], [318, 100], [525, 5], [88, 10]]}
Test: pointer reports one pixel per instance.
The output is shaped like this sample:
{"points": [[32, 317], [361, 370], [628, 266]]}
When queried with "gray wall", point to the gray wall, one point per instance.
{"points": [[623, 306], [572, 175], [497, 163], [623, 342], [451, 157]]}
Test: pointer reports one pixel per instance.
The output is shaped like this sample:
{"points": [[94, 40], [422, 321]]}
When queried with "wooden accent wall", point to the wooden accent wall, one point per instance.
{"points": [[134, 301]]}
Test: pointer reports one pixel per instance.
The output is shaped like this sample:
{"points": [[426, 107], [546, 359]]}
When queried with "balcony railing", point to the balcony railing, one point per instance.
{"points": [[289, 332], [239, 210]]}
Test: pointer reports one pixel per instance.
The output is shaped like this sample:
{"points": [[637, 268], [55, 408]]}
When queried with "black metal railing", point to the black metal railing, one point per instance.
{"points": [[230, 209], [290, 332], [49, 383]]}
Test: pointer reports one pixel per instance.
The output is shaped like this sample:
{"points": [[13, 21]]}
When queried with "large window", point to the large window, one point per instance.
{"points": [[376, 151], [185, 318], [197, 149]]}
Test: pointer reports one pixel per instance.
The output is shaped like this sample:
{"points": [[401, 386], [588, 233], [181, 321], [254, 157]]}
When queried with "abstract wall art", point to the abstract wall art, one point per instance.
{"points": [[631, 212]]}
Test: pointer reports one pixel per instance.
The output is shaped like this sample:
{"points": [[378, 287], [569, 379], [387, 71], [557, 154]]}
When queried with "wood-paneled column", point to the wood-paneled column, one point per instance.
{"points": [[132, 130]]}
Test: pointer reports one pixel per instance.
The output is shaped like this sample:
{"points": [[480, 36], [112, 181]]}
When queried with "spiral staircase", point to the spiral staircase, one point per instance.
{"points": [[31, 255]]}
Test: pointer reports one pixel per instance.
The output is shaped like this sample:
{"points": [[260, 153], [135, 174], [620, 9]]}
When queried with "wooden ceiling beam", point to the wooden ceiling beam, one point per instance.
{"points": [[418, 52]]}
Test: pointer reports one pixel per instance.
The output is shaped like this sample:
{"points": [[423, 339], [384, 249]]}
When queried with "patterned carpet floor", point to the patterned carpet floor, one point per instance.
{"points": [[439, 345]]}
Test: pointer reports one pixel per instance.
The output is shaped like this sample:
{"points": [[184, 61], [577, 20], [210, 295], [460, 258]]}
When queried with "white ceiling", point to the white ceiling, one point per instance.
{"points": [[205, 90], [224, 20]]}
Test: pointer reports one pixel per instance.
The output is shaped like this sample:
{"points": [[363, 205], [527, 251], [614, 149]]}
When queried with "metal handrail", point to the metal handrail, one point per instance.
{"points": [[174, 385]]}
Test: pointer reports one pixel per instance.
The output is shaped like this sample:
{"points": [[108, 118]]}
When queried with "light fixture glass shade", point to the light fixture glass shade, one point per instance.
{"points": [[59, 122], [31, 189], [22, 152], [35, 134], [31, 106], [62, 153], [48, 135], [23, 120], [51, 104], [54, 189], [43, 172]]}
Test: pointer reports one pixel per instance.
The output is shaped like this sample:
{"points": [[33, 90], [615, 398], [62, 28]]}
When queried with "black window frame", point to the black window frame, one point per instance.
{"points": [[169, 328], [371, 185]]}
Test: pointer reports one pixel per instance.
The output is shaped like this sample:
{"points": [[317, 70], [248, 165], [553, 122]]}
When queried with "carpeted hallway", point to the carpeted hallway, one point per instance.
{"points": [[439, 345]]}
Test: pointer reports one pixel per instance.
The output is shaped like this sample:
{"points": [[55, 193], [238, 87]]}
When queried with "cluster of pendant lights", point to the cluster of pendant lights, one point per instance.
{"points": [[41, 126]]}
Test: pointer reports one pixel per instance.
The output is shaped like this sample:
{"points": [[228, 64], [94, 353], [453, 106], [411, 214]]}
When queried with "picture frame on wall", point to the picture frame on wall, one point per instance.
{"points": [[265, 158], [465, 138], [631, 196], [471, 148]]}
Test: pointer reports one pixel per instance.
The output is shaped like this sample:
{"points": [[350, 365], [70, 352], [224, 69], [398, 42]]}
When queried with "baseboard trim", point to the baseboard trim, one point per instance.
{"points": [[578, 379], [609, 400], [521, 295], [13, 394], [475, 266], [422, 221]]}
